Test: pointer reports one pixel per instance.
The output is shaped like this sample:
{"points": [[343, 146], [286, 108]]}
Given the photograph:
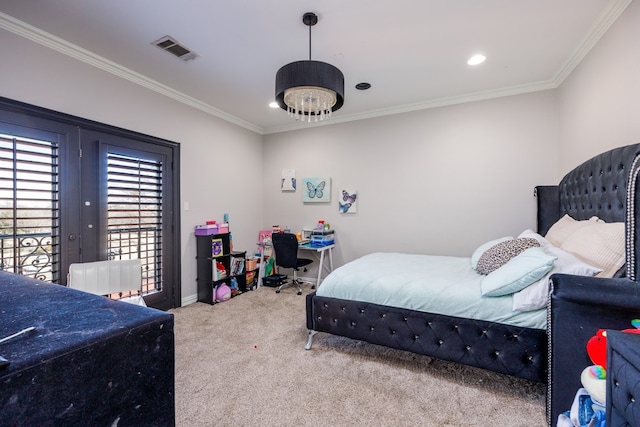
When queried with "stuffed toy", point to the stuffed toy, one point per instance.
{"points": [[593, 377], [223, 293], [235, 288]]}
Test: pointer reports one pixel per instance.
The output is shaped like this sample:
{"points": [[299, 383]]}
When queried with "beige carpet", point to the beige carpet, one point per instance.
{"points": [[243, 363]]}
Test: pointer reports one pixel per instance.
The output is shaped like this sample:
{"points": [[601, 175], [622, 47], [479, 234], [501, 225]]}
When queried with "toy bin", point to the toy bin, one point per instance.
{"points": [[206, 230], [251, 264], [274, 280]]}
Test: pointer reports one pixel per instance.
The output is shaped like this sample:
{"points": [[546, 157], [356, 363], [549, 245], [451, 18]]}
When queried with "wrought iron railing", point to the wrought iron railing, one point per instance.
{"points": [[144, 243], [34, 254], [29, 254]]}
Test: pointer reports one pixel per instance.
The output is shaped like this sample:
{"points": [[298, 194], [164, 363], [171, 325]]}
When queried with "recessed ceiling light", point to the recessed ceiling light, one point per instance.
{"points": [[363, 86], [274, 105], [476, 59]]}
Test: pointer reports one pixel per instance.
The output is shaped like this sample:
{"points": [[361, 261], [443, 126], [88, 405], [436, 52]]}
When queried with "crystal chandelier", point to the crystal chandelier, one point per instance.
{"points": [[309, 88]]}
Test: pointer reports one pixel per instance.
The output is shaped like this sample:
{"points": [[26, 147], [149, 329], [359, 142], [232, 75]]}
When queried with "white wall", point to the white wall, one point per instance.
{"points": [[437, 181], [441, 181], [221, 164], [599, 103]]}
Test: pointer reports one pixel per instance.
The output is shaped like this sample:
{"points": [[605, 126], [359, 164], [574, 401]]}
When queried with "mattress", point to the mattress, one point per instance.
{"points": [[428, 283]]}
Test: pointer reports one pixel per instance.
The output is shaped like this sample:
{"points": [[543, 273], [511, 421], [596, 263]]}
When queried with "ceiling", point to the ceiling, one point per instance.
{"points": [[412, 52]]}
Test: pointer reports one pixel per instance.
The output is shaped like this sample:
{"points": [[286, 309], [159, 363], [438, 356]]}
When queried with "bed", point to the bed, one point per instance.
{"points": [[539, 343]]}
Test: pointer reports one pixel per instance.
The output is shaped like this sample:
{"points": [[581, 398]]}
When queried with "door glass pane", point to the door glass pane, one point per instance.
{"points": [[29, 207], [134, 214]]}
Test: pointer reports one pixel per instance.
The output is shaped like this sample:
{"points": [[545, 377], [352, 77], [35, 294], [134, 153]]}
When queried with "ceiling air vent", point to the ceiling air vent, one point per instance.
{"points": [[169, 44]]}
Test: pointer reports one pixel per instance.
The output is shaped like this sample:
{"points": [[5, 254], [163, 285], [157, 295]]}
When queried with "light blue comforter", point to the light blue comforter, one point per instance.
{"points": [[434, 284]]}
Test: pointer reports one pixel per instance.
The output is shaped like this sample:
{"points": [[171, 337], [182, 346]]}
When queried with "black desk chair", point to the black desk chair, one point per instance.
{"points": [[285, 248]]}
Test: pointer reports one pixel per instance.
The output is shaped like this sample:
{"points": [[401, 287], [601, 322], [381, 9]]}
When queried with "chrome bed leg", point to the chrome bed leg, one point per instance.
{"points": [[310, 341]]}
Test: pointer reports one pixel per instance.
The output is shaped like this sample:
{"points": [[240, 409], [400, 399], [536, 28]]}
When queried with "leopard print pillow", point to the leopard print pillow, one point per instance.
{"points": [[498, 255]]}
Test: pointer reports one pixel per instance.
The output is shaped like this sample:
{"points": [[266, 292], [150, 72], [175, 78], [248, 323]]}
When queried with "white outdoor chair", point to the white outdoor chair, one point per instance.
{"points": [[116, 277]]}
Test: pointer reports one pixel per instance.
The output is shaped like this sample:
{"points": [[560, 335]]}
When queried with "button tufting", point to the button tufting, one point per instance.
{"points": [[468, 347], [440, 342]]}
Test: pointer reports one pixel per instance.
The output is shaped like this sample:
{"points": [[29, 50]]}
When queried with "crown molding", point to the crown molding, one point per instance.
{"points": [[600, 27], [436, 103], [53, 42], [32, 33]]}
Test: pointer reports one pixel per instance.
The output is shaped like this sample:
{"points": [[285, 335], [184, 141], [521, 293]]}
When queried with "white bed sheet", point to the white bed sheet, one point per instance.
{"points": [[434, 284]]}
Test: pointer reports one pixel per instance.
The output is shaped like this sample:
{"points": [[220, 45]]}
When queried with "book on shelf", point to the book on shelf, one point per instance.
{"points": [[237, 266]]}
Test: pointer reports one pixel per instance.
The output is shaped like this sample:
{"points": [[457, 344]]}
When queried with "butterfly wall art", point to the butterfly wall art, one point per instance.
{"points": [[316, 190], [348, 202]]}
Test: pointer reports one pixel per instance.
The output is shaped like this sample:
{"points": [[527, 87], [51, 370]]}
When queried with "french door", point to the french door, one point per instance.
{"points": [[76, 191]]}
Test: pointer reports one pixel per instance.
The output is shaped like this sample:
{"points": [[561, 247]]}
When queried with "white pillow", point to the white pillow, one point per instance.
{"points": [[483, 248], [565, 227], [536, 295], [518, 273], [600, 244]]}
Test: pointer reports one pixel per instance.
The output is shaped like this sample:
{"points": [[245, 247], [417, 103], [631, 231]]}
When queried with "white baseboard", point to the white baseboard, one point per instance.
{"points": [[194, 298], [189, 300]]}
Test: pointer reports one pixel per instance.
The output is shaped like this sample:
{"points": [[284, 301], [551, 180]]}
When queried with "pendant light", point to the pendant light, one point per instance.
{"points": [[309, 88]]}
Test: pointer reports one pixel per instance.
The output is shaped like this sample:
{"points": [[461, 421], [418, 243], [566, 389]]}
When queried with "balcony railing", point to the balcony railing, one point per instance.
{"points": [[34, 255], [29, 255]]}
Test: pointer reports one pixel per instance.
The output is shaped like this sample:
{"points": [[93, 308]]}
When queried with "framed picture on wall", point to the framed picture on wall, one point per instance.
{"points": [[348, 202], [316, 190], [288, 182]]}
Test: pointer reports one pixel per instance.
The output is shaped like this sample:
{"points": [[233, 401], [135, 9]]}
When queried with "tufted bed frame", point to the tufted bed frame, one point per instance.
{"points": [[578, 306]]}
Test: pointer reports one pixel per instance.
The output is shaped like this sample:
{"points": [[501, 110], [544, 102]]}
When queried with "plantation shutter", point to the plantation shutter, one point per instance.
{"points": [[29, 207], [134, 214]]}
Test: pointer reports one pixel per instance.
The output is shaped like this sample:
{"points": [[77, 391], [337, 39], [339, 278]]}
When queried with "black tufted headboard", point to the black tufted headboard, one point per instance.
{"points": [[597, 187]]}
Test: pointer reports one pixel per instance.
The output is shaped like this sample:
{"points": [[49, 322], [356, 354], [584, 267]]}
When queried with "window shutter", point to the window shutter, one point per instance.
{"points": [[29, 207]]}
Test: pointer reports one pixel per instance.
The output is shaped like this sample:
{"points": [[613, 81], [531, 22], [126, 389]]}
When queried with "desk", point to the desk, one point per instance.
{"points": [[319, 252]]}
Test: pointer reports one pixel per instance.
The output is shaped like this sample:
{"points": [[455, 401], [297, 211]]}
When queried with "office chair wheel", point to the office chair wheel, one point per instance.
{"points": [[277, 291], [299, 292]]}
